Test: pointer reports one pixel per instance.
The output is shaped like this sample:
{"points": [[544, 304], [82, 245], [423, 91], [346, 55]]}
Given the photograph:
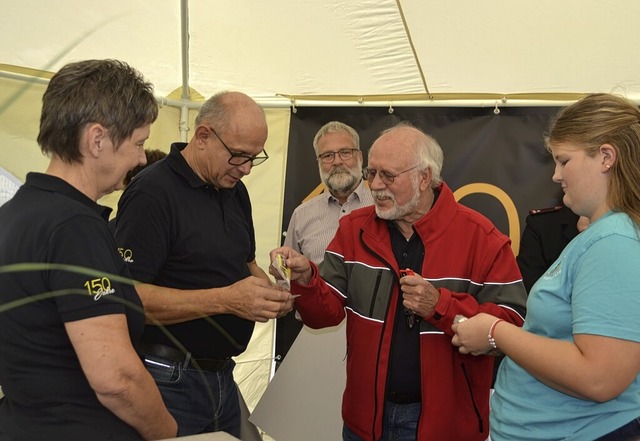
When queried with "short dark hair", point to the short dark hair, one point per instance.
{"points": [[108, 92], [152, 155]]}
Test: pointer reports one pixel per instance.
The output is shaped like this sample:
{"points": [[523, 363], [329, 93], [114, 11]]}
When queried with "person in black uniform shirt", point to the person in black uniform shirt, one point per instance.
{"points": [[547, 232], [152, 155], [68, 310], [185, 227]]}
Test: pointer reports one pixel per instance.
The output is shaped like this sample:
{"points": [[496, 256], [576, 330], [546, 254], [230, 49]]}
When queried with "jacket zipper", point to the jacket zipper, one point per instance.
{"points": [[375, 291], [384, 325]]}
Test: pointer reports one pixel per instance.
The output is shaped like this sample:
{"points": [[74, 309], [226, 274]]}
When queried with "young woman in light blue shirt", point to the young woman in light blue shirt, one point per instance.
{"points": [[572, 371]]}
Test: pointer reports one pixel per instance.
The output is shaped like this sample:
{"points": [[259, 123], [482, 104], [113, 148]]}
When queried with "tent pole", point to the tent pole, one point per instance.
{"points": [[184, 123], [186, 91]]}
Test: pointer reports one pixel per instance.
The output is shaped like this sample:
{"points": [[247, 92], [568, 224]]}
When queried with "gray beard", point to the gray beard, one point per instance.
{"points": [[341, 182]]}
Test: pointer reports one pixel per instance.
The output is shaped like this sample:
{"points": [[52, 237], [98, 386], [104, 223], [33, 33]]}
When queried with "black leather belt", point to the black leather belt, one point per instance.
{"points": [[400, 398], [178, 356]]}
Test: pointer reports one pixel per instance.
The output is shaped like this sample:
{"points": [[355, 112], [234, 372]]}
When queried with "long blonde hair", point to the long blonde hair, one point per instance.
{"points": [[606, 119]]}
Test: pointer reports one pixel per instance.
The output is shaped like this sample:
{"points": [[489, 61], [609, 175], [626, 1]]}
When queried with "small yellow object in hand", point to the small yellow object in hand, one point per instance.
{"points": [[283, 279]]}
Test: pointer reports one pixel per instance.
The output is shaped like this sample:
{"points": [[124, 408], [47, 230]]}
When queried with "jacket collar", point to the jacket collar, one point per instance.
{"points": [[375, 231]]}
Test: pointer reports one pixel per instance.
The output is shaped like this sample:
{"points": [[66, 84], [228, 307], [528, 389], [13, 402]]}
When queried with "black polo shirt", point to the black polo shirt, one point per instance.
{"points": [[404, 376], [47, 395], [175, 230], [404, 365]]}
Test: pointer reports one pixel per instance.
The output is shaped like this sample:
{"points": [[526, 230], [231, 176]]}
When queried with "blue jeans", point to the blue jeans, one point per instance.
{"points": [[628, 432], [200, 401], [400, 423]]}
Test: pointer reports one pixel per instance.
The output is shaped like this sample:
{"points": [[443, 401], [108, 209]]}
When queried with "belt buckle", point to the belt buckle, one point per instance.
{"points": [[164, 352]]}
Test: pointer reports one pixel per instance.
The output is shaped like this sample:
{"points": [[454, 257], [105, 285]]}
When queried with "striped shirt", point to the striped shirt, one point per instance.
{"points": [[314, 223]]}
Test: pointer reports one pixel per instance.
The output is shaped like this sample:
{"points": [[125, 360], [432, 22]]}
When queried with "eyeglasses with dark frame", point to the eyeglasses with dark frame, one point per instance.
{"points": [[241, 158], [344, 154], [386, 177]]}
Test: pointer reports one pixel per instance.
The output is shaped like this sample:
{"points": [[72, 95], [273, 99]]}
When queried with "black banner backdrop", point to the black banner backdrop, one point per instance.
{"points": [[495, 162]]}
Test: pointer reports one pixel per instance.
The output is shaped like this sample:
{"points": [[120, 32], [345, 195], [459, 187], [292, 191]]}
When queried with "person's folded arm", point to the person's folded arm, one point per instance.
{"points": [[117, 375]]}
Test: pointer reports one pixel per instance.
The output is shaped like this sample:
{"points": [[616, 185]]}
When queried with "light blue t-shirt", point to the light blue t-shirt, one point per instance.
{"points": [[593, 288]]}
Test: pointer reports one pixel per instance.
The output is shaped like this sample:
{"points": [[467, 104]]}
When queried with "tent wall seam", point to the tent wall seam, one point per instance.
{"points": [[413, 48]]}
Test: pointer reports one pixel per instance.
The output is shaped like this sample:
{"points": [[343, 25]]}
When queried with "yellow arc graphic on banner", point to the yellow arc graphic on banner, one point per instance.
{"points": [[505, 200]]}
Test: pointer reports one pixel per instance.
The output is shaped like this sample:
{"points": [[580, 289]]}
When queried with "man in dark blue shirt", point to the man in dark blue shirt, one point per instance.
{"points": [[186, 230]]}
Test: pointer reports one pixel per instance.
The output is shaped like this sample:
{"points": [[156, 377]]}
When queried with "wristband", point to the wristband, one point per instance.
{"points": [[492, 330]]}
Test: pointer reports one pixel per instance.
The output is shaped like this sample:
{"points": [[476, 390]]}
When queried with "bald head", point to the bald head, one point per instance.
{"points": [[231, 131], [398, 141], [412, 146], [231, 110]]}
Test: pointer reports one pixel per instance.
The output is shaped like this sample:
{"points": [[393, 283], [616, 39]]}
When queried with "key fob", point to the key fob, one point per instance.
{"points": [[406, 272]]}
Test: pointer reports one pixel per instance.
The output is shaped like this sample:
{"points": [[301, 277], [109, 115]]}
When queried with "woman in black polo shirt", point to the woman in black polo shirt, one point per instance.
{"points": [[68, 312]]}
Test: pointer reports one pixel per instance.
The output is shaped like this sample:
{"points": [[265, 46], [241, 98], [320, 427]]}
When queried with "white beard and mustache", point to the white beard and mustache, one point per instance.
{"points": [[397, 211]]}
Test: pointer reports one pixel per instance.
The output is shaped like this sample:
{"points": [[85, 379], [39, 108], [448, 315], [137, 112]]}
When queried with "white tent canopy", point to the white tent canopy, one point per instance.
{"points": [[380, 51]]}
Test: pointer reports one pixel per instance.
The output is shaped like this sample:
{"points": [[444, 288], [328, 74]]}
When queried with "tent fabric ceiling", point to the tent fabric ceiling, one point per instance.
{"points": [[365, 48]]}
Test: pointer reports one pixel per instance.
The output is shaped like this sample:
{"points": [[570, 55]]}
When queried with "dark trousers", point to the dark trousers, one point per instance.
{"points": [[628, 432], [200, 401], [400, 423]]}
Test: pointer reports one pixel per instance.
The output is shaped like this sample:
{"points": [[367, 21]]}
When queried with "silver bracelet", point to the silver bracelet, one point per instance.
{"points": [[492, 330]]}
